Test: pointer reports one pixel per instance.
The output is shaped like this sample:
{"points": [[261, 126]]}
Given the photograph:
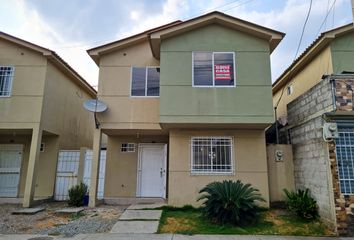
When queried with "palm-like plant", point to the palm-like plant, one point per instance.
{"points": [[230, 202], [301, 203]]}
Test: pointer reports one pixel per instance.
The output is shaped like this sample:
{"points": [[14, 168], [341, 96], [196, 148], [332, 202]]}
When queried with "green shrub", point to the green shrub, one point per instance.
{"points": [[76, 195], [301, 204], [230, 202]]}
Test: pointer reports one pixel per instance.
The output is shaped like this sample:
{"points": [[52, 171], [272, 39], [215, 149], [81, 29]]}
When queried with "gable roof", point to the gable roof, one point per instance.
{"points": [[55, 59], [125, 42], [155, 35], [310, 53]]}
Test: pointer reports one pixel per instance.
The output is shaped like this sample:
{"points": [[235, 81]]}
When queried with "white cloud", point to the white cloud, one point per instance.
{"points": [[135, 15], [19, 19], [28, 25]]}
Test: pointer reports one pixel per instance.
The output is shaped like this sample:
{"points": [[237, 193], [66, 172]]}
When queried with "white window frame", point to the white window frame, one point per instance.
{"points": [[213, 69], [146, 75], [128, 147], [231, 172], [11, 82]]}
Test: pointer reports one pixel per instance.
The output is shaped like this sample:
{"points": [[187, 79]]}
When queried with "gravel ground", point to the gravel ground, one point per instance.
{"points": [[96, 220]]}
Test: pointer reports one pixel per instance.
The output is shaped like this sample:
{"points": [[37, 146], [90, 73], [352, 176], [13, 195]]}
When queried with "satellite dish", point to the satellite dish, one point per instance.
{"points": [[95, 106]]}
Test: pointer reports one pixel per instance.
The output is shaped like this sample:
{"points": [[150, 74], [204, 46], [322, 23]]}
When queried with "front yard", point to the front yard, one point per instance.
{"points": [[95, 220], [272, 222]]}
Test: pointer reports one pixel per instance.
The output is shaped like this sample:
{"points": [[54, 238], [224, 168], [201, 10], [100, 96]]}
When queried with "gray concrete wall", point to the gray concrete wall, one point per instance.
{"points": [[310, 151]]}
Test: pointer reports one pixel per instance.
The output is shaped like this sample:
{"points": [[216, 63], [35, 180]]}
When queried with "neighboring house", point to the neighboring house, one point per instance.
{"points": [[317, 92], [188, 103], [41, 111]]}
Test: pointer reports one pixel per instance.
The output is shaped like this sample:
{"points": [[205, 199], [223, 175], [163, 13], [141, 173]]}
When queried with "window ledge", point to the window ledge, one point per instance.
{"points": [[212, 173]]}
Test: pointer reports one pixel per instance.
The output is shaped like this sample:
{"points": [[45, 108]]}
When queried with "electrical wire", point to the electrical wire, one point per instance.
{"points": [[297, 50], [325, 19], [108, 40]]}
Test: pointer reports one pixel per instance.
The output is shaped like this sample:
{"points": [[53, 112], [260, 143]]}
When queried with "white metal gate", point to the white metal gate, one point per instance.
{"points": [[10, 167], [87, 171], [67, 171]]}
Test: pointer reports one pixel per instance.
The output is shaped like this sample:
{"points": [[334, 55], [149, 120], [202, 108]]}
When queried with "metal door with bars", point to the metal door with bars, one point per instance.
{"points": [[67, 171], [10, 167], [87, 171]]}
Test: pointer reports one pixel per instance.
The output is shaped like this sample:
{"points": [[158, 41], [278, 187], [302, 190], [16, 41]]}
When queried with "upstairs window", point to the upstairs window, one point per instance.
{"points": [[290, 89], [145, 82], [6, 77], [214, 69]]}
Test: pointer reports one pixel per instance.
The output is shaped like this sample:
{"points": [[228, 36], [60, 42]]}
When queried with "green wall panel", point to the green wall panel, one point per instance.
{"points": [[249, 102]]}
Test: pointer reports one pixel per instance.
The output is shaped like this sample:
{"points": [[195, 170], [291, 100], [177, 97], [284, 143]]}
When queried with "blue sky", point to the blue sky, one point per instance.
{"points": [[72, 27]]}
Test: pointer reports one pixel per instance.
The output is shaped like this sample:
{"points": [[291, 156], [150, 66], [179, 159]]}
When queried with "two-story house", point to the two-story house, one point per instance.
{"points": [[41, 111], [314, 99], [188, 103]]}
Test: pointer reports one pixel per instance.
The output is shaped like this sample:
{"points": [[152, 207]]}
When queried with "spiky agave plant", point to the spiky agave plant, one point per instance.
{"points": [[230, 202]]}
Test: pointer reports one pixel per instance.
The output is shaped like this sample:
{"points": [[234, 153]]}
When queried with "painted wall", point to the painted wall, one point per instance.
{"points": [[25, 104], [281, 173], [63, 111], [249, 102], [125, 112], [342, 50], [249, 160], [308, 77], [46, 166], [121, 168]]}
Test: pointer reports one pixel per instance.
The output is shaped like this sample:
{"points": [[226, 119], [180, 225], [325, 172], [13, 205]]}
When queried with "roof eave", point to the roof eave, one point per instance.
{"points": [[68, 70], [274, 37], [297, 66]]}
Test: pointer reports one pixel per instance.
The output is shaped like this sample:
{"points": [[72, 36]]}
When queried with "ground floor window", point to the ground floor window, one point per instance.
{"points": [[345, 160], [211, 155]]}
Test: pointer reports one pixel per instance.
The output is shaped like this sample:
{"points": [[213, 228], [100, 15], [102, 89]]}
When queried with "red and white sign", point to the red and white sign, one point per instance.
{"points": [[222, 71]]}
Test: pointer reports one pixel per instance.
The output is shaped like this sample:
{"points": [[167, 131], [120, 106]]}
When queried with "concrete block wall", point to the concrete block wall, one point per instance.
{"points": [[310, 151]]}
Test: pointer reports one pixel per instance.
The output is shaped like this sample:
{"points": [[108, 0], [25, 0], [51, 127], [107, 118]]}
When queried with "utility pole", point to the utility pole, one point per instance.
{"points": [[353, 10]]}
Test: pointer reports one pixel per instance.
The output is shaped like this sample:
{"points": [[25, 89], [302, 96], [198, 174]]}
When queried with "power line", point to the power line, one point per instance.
{"points": [[238, 5], [221, 6], [290, 71], [325, 19], [114, 39], [298, 48]]}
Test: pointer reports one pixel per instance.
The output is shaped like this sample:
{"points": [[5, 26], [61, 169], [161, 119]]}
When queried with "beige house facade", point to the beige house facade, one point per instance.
{"points": [[41, 111], [177, 116]]}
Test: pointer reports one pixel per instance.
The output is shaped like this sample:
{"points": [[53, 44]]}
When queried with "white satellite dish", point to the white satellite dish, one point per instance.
{"points": [[95, 106]]}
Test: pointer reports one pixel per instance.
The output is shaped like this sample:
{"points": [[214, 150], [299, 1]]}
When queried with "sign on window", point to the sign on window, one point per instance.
{"points": [[222, 71]]}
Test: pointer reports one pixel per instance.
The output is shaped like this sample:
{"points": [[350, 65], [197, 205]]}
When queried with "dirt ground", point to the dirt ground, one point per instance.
{"points": [[99, 219]]}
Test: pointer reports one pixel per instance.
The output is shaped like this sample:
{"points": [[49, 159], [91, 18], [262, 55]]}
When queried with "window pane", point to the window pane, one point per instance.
{"points": [[138, 81], [203, 69], [211, 155], [153, 82], [6, 76], [224, 69]]}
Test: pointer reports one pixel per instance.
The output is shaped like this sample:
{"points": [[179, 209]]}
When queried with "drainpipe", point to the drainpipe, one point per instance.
{"points": [[276, 124]]}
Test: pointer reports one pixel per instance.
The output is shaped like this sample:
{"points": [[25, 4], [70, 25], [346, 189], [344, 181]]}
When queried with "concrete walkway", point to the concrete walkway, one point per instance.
{"points": [[117, 236], [137, 219]]}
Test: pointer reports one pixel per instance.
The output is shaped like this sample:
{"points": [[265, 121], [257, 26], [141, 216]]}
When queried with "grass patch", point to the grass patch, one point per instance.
{"points": [[76, 216], [189, 220]]}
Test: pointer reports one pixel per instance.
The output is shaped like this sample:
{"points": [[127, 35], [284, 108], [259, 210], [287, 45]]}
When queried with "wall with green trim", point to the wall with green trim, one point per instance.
{"points": [[249, 102], [342, 49]]}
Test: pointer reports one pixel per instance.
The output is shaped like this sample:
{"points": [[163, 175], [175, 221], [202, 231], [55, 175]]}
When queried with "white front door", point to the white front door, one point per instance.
{"points": [[10, 167], [152, 170]]}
